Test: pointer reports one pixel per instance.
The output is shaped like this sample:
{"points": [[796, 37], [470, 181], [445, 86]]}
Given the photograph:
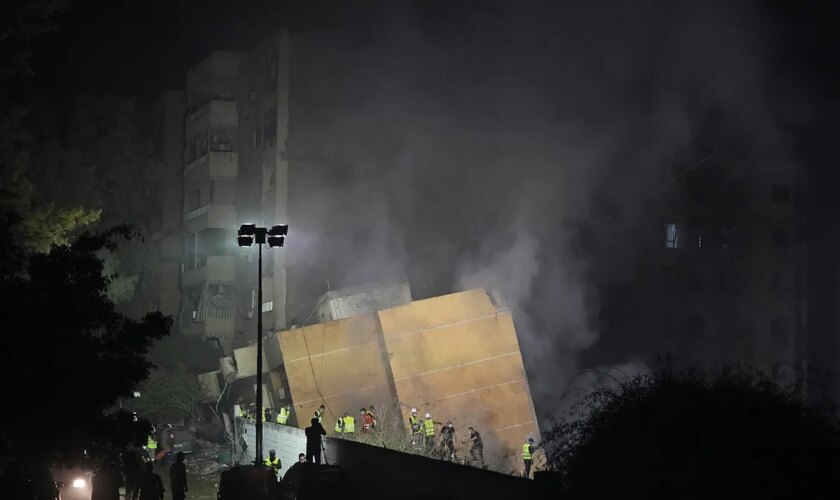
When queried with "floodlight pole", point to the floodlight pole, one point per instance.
{"points": [[259, 409]]}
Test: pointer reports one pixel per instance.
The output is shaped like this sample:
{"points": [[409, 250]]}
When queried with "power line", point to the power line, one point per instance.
{"points": [[661, 186]]}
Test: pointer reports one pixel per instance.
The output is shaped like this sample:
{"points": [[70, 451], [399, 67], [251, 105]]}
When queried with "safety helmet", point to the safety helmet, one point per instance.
{"points": [[414, 410], [428, 415], [270, 452]]}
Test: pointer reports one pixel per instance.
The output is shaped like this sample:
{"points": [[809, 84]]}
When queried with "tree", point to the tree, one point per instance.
{"points": [[666, 435], [169, 396], [71, 354]]}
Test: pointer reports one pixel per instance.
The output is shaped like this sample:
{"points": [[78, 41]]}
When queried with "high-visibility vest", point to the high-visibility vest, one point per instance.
{"points": [[349, 424], [320, 416], [430, 427], [151, 443], [339, 426], [243, 412], [526, 451], [274, 464], [283, 416], [414, 422]]}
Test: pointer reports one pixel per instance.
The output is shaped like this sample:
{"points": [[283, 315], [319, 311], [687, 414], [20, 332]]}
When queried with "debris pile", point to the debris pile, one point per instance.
{"points": [[205, 461]]}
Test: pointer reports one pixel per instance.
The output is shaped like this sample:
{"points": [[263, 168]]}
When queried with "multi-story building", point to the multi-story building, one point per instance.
{"points": [[235, 171], [716, 278]]}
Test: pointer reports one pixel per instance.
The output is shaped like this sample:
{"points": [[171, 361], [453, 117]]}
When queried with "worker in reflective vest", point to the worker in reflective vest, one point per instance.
{"points": [[349, 424], [528, 449], [339, 425], [319, 414], [283, 416], [429, 431], [151, 446], [416, 428], [273, 461]]}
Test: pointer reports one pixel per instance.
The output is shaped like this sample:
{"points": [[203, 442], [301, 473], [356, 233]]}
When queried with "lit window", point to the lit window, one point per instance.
{"points": [[267, 306], [671, 236]]}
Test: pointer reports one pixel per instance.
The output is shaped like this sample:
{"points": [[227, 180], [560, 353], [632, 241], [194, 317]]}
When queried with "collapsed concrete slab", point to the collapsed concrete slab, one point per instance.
{"points": [[455, 356]]}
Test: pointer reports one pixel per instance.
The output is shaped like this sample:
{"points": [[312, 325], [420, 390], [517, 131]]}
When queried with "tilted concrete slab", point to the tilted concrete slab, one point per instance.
{"points": [[338, 364], [456, 356]]}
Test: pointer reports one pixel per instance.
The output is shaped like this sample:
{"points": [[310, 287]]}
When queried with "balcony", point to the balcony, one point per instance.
{"points": [[210, 215], [212, 164], [214, 113], [218, 268]]}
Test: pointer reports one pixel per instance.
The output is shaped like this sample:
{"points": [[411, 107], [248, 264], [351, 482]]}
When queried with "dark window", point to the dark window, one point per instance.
{"points": [[780, 193], [780, 332], [270, 127], [696, 326], [271, 70], [695, 282], [776, 281], [781, 239]]}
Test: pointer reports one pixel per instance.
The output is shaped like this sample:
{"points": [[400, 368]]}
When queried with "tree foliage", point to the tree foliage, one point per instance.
{"points": [[169, 396], [667, 435], [66, 347]]}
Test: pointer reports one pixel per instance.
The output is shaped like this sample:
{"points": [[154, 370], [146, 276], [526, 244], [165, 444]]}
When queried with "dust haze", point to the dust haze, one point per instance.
{"points": [[478, 146]]}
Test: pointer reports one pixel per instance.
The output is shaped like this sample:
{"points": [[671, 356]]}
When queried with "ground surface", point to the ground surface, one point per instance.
{"points": [[201, 488]]}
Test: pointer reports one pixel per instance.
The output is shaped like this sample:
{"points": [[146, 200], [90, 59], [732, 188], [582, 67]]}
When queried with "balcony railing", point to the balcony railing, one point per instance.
{"points": [[198, 212]]}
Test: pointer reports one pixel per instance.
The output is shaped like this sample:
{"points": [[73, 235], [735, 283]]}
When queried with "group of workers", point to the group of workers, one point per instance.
{"points": [[422, 431]]}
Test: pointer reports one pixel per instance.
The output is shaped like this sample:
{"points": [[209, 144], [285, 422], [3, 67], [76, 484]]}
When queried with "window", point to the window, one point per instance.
{"points": [[781, 239], [671, 236], [271, 71], [270, 127], [695, 282], [267, 306], [780, 333], [696, 326], [223, 191], [780, 193], [776, 281]]}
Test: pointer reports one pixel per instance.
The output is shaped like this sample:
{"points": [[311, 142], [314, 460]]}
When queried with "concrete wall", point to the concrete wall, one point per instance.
{"points": [[379, 473], [286, 441]]}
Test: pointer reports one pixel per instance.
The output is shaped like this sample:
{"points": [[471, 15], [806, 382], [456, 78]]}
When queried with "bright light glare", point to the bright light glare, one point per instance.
{"points": [[78, 483]]}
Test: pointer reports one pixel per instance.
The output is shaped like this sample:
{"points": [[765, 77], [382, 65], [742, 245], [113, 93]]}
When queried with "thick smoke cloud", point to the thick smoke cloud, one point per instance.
{"points": [[475, 146]]}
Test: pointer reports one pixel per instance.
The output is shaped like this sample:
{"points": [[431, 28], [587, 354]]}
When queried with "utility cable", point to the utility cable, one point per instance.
{"points": [[661, 186]]}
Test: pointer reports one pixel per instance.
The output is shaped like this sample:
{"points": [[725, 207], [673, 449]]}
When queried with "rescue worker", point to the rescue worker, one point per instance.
{"points": [[528, 449], [151, 485], [476, 447], [267, 415], [319, 414], [339, 425], [273, 461], [447, 438], [283, 414], [349, 425], [313, 441], [178, 478], [416, 427], [429, 431], [151, 446], [365, 419], [243, 412], [372, 413]]}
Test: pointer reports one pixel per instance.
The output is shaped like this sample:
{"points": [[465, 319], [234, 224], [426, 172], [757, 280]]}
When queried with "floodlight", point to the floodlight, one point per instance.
{"points": [[247, 229], [276, 241]]}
